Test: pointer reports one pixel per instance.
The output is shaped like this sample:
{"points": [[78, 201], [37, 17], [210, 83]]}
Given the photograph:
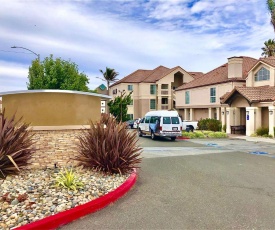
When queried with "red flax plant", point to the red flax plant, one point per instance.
{"points": [[15, 145], [109, 147]]}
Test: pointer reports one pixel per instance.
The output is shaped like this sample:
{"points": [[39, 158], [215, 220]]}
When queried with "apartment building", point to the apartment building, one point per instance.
{"points": [[152, 89], [239, 93], [200, 98], [252, 105]]}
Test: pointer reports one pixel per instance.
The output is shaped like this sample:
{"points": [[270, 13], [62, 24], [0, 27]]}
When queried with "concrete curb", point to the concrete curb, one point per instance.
{"points": [[62, 218]]}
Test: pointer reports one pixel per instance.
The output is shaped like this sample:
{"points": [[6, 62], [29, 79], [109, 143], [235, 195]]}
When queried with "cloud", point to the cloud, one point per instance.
{"points": [[129, 35]]}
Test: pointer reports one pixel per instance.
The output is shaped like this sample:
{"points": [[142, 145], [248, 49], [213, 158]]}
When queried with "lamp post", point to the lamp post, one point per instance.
{"points": [[28, 50]]}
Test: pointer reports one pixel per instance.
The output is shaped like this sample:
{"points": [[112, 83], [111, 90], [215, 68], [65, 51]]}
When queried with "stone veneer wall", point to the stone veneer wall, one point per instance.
{"points": [[54, 146]]}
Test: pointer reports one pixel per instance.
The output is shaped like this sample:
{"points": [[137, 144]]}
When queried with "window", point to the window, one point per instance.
{"points": [[212, 95], [262, 75], [164, 86], [187, 97], [153, 89], [115, 91], [166, 120], [130, 87], [147, 119], [130, 116], [175, 120], [164, 100], [152, 103], [153, 120]]}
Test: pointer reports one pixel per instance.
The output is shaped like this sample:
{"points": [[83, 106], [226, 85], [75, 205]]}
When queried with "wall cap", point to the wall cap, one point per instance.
{"points": [[102, 96]]}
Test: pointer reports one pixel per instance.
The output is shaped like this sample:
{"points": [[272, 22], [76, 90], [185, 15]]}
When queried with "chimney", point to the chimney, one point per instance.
{"points": [[235, 67]]}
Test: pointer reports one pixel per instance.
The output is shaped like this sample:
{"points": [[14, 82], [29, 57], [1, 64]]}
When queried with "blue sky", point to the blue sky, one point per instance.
{"points": [[128, 34]]}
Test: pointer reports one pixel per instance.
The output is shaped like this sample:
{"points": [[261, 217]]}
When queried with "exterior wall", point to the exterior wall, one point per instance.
{"points": [[196, 98], [250, 79], [240, 101], [265, 117], [53, 109], [200, 114], [235, 67], [54, 147]]}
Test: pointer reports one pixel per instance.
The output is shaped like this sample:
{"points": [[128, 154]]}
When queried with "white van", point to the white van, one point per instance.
{"points": [[162, 123]]}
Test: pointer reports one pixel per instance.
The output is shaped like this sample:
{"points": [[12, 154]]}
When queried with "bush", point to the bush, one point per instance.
{"points": [[210, 124], [217, 135], [15, 145], [262, 131], [110, 149], [192, 135], [68, 179]]}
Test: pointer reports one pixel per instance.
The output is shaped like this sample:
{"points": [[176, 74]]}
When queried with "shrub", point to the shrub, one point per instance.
{"points": [[224, 128], [268, 135], [110, 149], [15, 145], [262, 131], [68, 179], [210, 124], [217, 135]]}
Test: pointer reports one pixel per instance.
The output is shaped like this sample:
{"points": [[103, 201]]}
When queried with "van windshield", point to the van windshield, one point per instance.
{"points": [[175, 120]]}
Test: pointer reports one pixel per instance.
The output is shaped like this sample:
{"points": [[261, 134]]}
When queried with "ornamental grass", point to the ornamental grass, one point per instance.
{"points": [[16, 145], [109, 147]]}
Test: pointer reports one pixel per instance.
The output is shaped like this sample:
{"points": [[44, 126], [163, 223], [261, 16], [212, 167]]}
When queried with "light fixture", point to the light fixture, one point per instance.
{"points": [[247, 112], [222, 113], [227, 112], [270, 112]]}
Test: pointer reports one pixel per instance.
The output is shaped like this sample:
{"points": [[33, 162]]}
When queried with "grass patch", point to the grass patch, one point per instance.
{"points": [[203, 134]]}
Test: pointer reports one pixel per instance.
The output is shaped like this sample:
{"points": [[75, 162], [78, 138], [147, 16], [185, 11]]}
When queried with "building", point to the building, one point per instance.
{"points": [[152, 89], [253, 103], [200, 98], [240, 93], [102, 89]]}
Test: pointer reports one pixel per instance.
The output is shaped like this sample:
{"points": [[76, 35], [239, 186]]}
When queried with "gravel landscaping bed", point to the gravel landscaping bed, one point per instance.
{"points": [[44, 198]]}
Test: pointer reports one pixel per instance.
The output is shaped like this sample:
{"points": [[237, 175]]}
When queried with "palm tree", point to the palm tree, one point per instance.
{"points": [[269, 49], [109, 76], [271, 8]]}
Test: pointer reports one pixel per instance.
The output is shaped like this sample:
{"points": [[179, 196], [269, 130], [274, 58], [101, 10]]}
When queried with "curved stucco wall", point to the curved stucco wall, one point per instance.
{"points": [[53, 108]]}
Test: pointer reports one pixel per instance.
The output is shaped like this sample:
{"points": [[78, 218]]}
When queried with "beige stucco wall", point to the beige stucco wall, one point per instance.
{"points": [[250, 78], [200, 114], [53, 109], [201, 95], [240, 101]]}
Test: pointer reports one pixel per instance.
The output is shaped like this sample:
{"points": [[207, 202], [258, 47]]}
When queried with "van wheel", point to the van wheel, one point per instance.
{"points": [[173, 138], [139, 133], [153, 136]]}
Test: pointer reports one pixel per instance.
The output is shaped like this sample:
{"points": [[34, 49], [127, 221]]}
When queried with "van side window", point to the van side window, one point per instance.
{"points": [[147, 119], [175, 120], [153, 120], [166, 120]]}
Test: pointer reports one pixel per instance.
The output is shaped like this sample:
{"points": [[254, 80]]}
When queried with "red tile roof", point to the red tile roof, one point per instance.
{"points": [[252, 94], [150, 76], [196, 74], [268, 60], [220, 75]]}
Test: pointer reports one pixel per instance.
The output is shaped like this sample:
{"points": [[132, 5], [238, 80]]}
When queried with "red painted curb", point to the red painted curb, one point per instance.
{"points": [[183, 138], [62, 218]]}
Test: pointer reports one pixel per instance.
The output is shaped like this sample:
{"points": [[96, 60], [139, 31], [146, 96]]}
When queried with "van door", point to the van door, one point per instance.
{"points": [[146, 124], [171, 124]]}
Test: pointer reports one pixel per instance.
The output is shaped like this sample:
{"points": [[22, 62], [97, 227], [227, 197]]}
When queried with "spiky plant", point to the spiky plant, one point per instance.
{"points": [[109, 148], [15, 145]]}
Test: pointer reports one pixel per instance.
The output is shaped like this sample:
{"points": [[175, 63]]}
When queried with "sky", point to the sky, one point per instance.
{"points": [[126, 35]]}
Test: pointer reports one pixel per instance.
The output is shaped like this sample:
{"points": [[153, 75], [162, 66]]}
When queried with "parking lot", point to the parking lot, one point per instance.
{"points": [[195, 184]]}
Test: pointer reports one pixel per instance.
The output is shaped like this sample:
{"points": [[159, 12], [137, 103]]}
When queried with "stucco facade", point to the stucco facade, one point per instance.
{"points": [[53, 107], [155, 90]]}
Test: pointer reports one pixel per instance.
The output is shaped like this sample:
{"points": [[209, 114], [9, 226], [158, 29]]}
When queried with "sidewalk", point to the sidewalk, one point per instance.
{"points": [[253, 139]]}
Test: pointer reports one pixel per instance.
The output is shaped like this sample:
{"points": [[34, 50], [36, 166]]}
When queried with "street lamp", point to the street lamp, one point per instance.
{"points": [[28, 50]]}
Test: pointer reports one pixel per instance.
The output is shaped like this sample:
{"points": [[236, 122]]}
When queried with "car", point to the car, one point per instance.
{"points": [[130, 124], [136, 123]]}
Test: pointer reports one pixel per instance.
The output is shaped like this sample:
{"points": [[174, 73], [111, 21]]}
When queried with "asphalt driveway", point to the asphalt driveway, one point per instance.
{"points": [[222, 190]]}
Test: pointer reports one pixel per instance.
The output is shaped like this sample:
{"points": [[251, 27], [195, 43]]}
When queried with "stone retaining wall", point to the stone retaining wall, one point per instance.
{"points": [[54, 146]]}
